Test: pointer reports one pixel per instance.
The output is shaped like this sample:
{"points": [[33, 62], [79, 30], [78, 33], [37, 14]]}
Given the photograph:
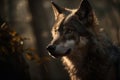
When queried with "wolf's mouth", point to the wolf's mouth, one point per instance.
{"points": [[61, 49], [55, 54]]}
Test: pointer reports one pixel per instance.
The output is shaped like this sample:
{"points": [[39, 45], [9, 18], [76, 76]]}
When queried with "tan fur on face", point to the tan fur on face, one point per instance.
{"points": [[55, 33]]}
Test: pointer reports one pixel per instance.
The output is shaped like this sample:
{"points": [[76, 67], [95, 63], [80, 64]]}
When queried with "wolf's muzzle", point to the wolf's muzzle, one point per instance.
{"points": [[52, 51]]}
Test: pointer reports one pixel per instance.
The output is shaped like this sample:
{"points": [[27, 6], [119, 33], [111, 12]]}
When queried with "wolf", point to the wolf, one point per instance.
{"points": [[84, 49]]}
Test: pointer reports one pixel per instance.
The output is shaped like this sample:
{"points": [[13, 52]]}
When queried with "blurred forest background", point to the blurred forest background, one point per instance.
{"points": [[33, 20]]}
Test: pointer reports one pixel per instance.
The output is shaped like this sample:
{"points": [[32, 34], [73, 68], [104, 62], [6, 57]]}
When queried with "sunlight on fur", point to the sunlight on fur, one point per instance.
{"points": [[69, 63]]}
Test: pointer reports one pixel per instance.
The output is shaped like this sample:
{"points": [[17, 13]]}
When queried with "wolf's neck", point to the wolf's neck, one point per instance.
{"points": [[89, 64], [71, 68]]}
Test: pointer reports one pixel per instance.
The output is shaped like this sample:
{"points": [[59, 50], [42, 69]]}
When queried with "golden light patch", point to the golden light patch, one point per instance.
{"points": [[69, 63]]}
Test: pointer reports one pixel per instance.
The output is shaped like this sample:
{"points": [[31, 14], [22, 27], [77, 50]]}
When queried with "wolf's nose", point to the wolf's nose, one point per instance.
{"points": [[51, 48]]}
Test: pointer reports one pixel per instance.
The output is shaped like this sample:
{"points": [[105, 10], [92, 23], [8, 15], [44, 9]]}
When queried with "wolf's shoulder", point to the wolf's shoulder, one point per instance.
{"points": [[109, 47]]}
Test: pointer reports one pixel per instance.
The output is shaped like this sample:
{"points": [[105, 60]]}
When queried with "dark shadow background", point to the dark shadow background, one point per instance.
{"points": [[33, 19]]}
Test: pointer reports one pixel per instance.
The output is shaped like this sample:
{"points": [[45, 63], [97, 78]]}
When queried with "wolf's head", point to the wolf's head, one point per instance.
{"points": [[72, 28]]}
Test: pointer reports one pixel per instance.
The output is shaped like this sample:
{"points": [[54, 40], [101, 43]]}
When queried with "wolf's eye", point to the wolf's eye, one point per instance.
{"points": [[68, 31]]}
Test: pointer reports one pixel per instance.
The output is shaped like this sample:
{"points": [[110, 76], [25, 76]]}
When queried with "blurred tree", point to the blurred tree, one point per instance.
{"points": [[2, 7], [14, 11], [39, 28]]}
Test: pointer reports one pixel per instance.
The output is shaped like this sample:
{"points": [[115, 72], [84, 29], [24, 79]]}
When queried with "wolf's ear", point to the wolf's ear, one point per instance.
{"points": [[85, 12], [57, 9]]}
